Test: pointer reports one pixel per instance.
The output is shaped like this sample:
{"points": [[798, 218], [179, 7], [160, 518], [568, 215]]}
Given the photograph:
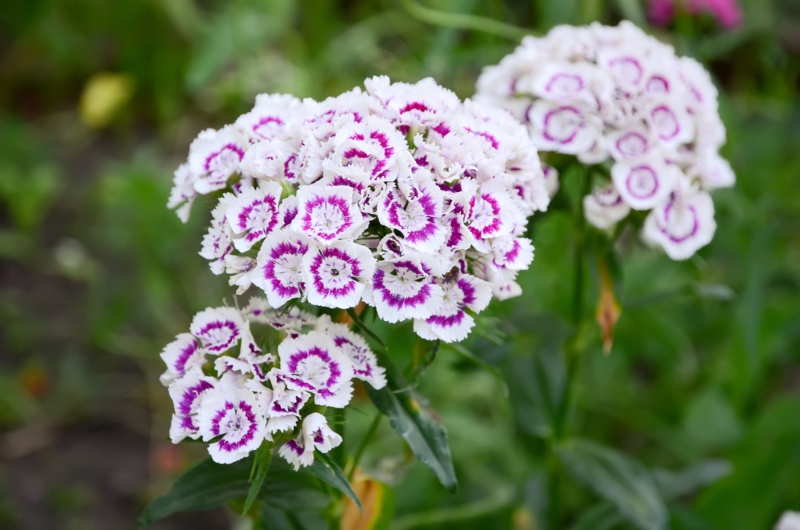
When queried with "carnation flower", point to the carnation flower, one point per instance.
{"points": [[616, 97], [397, 196]]}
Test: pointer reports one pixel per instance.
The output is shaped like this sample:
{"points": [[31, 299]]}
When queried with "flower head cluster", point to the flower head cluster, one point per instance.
{"points": [[616, 94], [229, 392], [400, 196]]}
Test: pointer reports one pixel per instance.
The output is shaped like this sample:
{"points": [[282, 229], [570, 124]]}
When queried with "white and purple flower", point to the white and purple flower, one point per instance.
{"points": [[219, 329], [614, 94], [180, 356], [365, 364], [215, 156], [312, 363], [327, 214], [682, 225], [279, 269], [645, 183], [604, 207], [451, 322], [403, 289], [185, 393], [230, 414], [336, 275], [254, 214]]}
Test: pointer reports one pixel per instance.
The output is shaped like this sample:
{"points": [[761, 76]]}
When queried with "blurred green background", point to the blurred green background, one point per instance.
{"points": [[98, 103]]}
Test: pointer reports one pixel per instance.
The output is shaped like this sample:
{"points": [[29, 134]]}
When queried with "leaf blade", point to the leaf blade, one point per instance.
{"points": [[617, 478], [208, 485], [261, 464], [329, 472], [426, 437]]}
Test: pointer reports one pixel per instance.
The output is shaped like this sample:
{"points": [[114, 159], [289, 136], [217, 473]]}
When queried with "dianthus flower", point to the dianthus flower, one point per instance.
{"points": [[400, 196], [620, 99], [229, 392]]}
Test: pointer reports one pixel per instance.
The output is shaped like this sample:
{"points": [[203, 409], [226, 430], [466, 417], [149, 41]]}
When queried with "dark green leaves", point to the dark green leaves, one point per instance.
{"points": [[208, 485], [617, 478], [412, 420], [328, 471]]}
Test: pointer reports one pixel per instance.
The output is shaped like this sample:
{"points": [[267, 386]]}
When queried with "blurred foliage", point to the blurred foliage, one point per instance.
{"points": [[699, 396]]}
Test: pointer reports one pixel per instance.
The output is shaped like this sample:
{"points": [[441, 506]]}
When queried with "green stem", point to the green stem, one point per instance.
{"points": [[572, 353], [572, 358], [363, 445], [338, 452], [553, 513]]}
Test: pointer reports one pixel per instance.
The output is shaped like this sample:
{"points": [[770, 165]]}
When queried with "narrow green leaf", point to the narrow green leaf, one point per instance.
{"points": [[208, 485], [711, 421], [329, 472], [363, 328], [257, 474], [632, 10], [676, 484], [468, 355], [713, 291], [412, 420], [601, 516], [464, 21], [536, 380], [671, 484], [617, 478], [424, 354]]}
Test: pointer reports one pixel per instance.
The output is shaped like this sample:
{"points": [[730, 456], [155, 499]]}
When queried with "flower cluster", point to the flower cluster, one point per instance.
{"points": [[400, 196], [229, 392], [616, 94]]}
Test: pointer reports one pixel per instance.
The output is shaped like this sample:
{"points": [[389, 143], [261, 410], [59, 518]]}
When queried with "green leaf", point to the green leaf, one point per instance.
{"points": [[601, 516], [632, 10], [237, 28], [329, 472], [711, 420], [536, 375], [765, 481], [471, 357], [208, 485], [676, 484], [617, 478], [671, 484], [424, 353], [260, 468], [363, 328], [412, 420], [713, 291]]}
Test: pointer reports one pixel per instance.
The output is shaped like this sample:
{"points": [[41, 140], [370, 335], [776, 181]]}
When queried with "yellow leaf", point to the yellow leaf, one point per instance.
{"points": [[103, 96], [608, 309], [377, 499]]}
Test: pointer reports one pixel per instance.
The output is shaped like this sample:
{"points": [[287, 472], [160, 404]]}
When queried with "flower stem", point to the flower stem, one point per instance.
{"points": [[572, 359], [363, 445], [338, 452]]}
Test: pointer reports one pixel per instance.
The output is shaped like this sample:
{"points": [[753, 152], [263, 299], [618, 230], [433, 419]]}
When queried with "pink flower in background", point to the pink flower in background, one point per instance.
{"points": [[727, 12]]}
